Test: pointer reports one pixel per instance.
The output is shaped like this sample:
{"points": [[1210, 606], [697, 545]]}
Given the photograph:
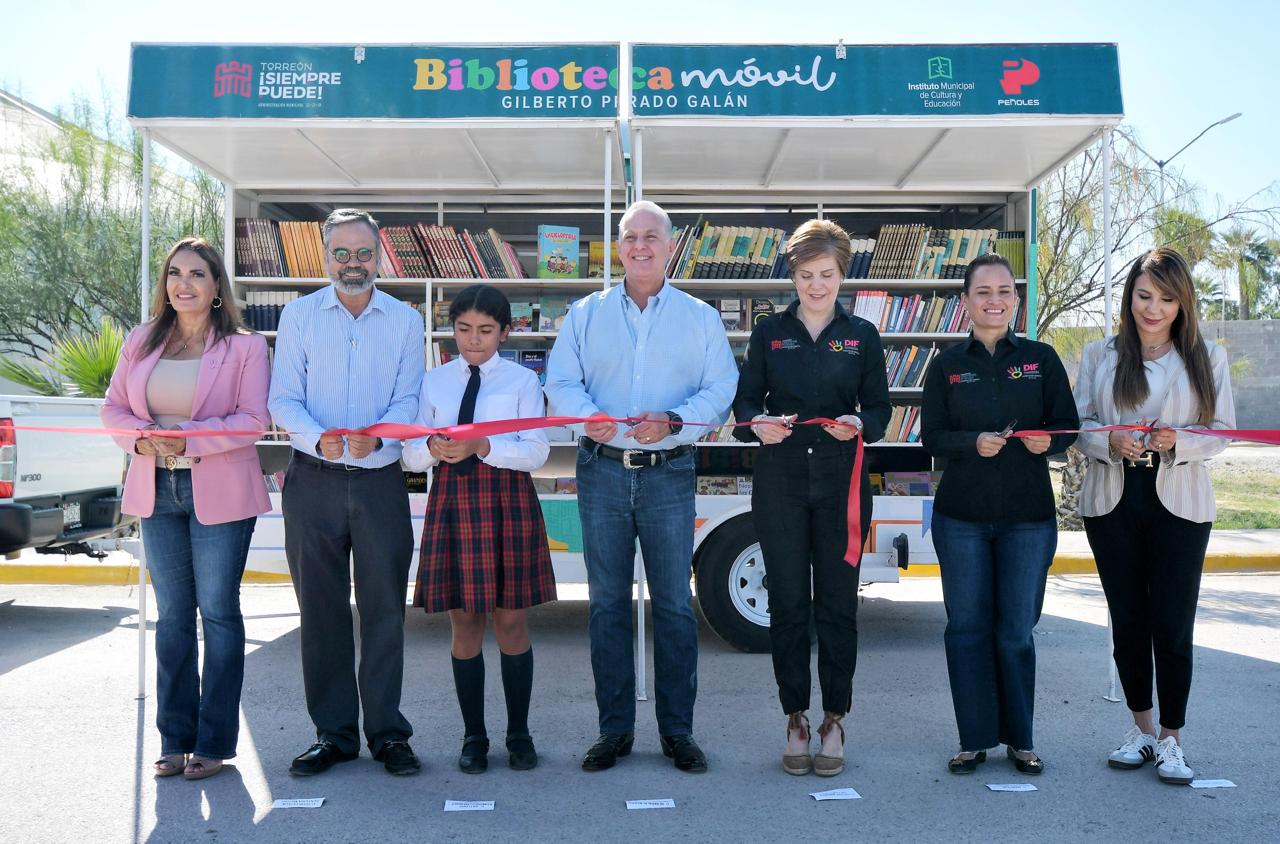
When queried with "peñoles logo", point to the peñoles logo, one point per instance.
{"points": [[1018, 73], [233, 77]]}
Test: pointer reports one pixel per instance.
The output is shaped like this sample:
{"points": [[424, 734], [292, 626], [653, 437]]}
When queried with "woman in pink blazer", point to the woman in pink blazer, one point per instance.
{"points": [[194, 367]]}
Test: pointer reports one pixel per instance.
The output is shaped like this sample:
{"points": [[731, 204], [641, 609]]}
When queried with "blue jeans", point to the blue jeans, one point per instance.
{"points": [[196, 566], [993, 578], [617, 505]]}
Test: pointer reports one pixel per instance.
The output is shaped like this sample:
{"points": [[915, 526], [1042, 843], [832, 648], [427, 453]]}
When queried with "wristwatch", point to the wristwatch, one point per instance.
{"points": [[675, 422]]}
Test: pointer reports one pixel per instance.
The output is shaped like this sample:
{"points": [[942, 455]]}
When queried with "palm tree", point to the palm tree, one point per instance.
{"points": [[1239, 251]]}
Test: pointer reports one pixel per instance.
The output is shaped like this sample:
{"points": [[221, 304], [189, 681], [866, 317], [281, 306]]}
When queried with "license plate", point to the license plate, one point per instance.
{"points": [[71, 515]]}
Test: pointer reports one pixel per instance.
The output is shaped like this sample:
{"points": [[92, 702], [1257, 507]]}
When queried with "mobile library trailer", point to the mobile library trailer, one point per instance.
{"points": [[464, 151]]}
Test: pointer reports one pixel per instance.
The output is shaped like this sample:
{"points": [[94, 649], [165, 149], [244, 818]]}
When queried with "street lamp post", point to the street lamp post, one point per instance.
{"points": [[1160, 165]]}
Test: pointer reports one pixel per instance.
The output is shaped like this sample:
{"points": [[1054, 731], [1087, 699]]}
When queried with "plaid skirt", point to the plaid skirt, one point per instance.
{"points": [[484, 544]]}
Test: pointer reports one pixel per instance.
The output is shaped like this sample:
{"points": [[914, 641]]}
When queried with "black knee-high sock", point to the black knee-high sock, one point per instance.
{"points": [[517, 685], [468, 680]]}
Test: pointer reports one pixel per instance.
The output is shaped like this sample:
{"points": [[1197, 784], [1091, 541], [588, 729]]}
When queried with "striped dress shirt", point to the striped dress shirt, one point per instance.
{"points": [[333, 370], [611, 356]]}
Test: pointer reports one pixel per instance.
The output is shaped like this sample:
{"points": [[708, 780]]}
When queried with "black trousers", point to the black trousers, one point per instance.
{"points": [[798, 501], [1150, 563], [337, 521]]}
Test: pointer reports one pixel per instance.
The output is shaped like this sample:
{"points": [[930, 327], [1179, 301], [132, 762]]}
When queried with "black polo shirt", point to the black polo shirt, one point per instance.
{"points": [[968, 391], [840, 373]]}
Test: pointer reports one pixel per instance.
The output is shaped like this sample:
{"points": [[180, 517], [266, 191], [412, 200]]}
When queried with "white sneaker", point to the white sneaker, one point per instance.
{"points": [[1171, 766], [1137, 750]]}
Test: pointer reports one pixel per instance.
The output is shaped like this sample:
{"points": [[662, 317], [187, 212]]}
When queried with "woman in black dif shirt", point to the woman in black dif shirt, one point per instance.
{"points": [[812, 361], [993, 518]]}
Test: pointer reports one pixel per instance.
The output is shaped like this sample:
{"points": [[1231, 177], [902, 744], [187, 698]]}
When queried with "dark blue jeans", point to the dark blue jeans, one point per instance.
{"points": [[196, 566], [617, 505], [993, 578]]}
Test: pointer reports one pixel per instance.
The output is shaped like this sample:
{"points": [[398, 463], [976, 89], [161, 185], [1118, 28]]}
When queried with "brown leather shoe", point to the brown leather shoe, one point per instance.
{"points": [[800, 764]]}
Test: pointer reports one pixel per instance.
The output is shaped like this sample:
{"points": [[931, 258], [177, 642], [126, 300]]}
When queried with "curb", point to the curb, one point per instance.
{"points": [[1082, 563], [85, 575]]}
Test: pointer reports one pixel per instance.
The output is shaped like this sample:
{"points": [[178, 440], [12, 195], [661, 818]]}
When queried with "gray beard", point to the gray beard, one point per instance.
{"points": [[352, 288]]}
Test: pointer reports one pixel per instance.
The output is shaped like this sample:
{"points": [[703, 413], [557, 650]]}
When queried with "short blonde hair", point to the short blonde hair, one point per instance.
{"points": [[818, 239]]}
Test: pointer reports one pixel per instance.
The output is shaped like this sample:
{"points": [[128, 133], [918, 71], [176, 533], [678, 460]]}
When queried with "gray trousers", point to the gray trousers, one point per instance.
{"points": [[332, 516]]}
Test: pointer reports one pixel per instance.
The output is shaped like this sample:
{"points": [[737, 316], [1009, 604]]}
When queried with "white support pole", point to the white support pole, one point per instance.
{"points": [[145, 282], [229, 233], [1106, 232], [133, 546], [608, 208], [642, 683], [637, 167]]}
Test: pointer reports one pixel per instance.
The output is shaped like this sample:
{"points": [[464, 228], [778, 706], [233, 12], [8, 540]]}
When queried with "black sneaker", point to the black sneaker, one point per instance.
{"points": [[398, 758]]}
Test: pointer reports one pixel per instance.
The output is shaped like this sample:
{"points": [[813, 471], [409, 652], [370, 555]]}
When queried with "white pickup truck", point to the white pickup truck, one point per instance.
{"points": [[56, 490]]}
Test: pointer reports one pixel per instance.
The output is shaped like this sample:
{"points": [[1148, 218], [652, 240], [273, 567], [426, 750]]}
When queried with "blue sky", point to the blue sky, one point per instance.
{"points": [[1183, 64]]}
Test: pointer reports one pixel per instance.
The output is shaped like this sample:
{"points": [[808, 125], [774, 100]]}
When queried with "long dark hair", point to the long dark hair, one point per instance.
{"points": [[1168, 271], [485, 299], [224, 319]]}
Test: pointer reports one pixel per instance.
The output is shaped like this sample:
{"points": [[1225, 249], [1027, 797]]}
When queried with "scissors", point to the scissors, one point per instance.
{"points": [[1008, 429]]}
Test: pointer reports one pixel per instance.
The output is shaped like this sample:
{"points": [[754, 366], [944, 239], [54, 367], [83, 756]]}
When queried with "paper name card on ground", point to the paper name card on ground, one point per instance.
{"points": [[1212, 784], [836, 794], [1011, 786], [468, 805], [299, 803], [664, 803]]}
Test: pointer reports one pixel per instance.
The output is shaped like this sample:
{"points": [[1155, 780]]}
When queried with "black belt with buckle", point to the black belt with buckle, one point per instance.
{"points": [[1145, 460], [636, 458]]}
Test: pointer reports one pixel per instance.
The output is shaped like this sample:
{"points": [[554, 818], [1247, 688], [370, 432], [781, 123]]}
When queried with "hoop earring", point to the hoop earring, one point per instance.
{"points": [[217, 302]]}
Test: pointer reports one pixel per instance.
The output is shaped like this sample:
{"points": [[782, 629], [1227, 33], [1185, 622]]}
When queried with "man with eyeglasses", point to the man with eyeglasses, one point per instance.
{"points": [[349, 356]]}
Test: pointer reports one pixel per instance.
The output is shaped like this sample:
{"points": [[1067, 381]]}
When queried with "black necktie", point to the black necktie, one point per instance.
{"points": [[467, 413]]}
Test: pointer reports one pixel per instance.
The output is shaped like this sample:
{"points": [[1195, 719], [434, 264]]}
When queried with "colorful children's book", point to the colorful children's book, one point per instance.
{"points": [[558, 252], [535, 359], [595, 260], [522, 316], [551, 311]]}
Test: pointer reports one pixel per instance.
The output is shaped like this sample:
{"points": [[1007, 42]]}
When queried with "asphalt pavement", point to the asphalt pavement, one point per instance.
{"points": [[76, 747]]}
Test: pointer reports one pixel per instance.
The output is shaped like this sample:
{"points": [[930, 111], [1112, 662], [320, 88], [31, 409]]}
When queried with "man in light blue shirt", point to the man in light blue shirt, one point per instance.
{"points": [[642, 349], [349, 356]]}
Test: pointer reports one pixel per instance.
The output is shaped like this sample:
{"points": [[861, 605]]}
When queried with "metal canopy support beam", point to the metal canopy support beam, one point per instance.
{"points": [[1106, 231], [327, 157], [145, 295], [229, 230], [911, 171], [608, 208], [767, 181], [637, 168], [475, 150]]}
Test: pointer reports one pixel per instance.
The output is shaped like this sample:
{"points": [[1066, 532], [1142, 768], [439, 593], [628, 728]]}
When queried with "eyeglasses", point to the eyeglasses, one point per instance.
{"points": [[342, 256]]}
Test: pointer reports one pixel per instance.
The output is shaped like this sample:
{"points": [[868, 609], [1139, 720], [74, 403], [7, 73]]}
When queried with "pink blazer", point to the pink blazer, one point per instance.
{"points": [[231, 394]]}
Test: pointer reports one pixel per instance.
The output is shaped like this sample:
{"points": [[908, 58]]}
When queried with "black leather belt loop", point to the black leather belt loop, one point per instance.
{"points": [[635, 458]]}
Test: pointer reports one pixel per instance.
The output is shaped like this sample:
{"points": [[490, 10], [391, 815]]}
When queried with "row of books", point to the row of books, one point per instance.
{"points": [[729, 252], [423, 250], [910, 313], [905, 483], [919, 251], [266, 248], [906, 365], [904, 425], [263, 308], [1013, 246], [547, 314]]}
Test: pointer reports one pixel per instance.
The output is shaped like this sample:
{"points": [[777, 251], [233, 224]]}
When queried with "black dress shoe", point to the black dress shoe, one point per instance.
{"points": [[1035, 765], [960, 765], [685, 753], [319, 758], [607, 750], [398, 758], [475, 755], [522, 755]]}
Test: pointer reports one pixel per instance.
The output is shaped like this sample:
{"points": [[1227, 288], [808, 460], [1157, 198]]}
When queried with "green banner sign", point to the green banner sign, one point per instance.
{"points": [[402, 81], [941, 80]]}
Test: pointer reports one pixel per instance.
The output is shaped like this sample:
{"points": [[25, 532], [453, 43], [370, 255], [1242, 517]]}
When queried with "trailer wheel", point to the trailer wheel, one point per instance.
{"points": [[733, 590]]}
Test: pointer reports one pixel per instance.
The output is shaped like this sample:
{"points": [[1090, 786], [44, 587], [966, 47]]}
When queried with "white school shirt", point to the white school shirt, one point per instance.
{"points": [[507, 391]]}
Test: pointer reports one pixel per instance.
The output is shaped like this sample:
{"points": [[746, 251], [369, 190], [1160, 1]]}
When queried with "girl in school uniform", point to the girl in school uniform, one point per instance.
{"points": [[484, 544]]}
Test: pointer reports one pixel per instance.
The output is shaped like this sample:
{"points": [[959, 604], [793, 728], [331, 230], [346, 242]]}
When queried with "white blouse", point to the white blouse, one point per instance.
{"points": [[1160, 375], [507, 391]]}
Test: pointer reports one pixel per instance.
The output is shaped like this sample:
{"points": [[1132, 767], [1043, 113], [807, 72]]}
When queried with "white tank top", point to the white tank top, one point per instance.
{"points": [[171, 390]]}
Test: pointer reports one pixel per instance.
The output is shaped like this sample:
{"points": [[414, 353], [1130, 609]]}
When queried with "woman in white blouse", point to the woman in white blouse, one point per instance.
{"points": [[484, 543], [1147, 501]]}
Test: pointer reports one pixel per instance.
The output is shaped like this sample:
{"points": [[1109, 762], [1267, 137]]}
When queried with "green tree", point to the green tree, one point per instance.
{"points": [[1185, 231], [1241, 252], [70, 229]]}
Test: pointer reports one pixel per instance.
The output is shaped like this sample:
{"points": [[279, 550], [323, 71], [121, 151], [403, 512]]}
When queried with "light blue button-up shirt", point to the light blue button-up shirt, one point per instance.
{"points": [[613, 357], [333, 370]]}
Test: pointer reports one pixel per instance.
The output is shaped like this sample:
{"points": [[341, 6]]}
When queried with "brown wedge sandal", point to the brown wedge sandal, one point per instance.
{"points": [[201, 768], [170, 765], [802, 763], [829, 766]]}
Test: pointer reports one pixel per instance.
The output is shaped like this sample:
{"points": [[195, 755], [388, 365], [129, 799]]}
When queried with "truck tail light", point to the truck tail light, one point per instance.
{"points": [[8, 457]]}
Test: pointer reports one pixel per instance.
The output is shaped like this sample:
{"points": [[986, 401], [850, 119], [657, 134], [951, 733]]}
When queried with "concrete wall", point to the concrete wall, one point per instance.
{"points": [[1254, 349]]}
